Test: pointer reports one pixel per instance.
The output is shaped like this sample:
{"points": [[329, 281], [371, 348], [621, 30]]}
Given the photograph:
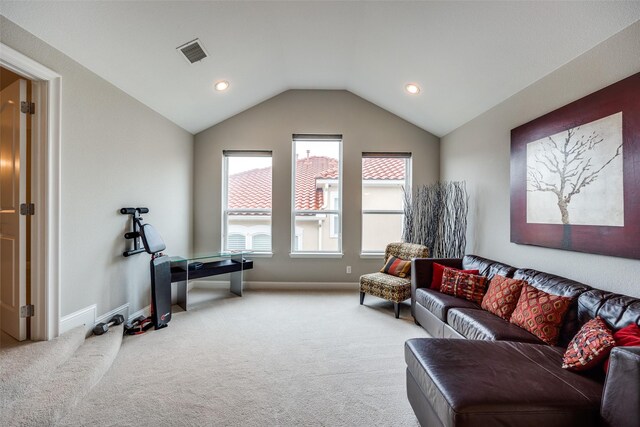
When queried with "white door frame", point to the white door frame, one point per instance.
{"points": [[45, 226]]}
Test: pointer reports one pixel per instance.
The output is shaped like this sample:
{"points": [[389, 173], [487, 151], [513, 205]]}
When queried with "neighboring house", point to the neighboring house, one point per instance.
{"points": [[317, 190], [250, 190]]}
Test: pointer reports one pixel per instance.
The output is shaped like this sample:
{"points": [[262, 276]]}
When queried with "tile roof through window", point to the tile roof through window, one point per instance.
{"points": [[252, 189]]}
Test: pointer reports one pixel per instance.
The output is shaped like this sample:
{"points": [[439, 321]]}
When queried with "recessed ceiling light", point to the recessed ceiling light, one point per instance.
{"points": [[412, 88], [221, 85]]}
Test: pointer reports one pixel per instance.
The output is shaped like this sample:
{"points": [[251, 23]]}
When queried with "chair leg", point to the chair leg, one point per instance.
{"points": [[396, 307], [361, 298]]}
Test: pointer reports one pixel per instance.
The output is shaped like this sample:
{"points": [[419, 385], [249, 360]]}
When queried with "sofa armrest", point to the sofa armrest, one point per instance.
{"points": [[621, 395], [422, 272]]}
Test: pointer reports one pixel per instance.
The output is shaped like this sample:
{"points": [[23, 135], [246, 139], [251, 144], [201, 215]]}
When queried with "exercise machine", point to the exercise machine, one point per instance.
{"points": [[138, 326], [147, 239]]}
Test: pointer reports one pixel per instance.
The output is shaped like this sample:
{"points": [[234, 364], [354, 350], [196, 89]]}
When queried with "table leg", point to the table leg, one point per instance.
{"points": [[236, 283], [182, 295], [237, 277]]}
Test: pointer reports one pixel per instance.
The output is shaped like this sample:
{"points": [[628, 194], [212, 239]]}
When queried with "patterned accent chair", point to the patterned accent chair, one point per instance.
{"points": [[392, 288]]}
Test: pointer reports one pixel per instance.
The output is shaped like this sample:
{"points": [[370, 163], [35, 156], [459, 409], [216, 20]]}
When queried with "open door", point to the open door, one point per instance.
{"points": [[13, 143]]}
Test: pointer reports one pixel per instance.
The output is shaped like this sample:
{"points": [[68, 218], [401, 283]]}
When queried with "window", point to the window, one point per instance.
{"points": [[297, 239], [247, 201], [236, 241], [384, 178], [317, 194], [335, 223], [261, 243]]}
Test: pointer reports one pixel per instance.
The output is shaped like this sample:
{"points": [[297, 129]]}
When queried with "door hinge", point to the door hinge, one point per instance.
{"points": [[28, 107], [27, 310], [27, 209]]}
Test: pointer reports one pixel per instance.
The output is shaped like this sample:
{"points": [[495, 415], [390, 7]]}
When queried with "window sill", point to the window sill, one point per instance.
{"points": [[372, 255], [315, 255], [260, 255]]}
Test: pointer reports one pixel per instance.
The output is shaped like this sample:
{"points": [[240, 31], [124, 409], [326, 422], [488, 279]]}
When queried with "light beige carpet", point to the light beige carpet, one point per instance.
{"points": [[41, 382], [266, 359]]}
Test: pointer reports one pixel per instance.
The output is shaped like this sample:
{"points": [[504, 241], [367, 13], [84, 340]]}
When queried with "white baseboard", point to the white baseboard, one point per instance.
{"points": [[302, 286], [85, 316], [123, 309], [146, 312], [289, 286], [88, 317]]}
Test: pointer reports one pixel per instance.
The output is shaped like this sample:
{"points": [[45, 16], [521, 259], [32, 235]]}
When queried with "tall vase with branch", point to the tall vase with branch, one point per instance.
{"points": [[435, 216]]}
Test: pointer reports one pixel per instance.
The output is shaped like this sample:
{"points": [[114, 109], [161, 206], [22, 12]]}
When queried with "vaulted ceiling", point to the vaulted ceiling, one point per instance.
{"points": [[465, 56]]}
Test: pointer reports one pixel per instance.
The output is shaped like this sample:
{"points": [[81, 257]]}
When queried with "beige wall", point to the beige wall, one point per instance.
{"points": [[478, 152], [115, 152], [269, 126]]}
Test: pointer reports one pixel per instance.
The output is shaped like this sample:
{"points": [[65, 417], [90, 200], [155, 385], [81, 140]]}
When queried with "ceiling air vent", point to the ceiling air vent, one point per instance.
{"points": [[193, 51]]}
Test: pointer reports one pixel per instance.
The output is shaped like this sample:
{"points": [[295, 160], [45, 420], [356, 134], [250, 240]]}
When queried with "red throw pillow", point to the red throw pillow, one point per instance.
{"points": [[463, 285], [438, 270], [502, 296], [591, 345], [397, 267], [540, 313], [629, 336]]}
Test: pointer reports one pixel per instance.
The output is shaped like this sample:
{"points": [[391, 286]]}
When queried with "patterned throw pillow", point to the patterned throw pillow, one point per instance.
{"points": [[502, 296], [463, 285], [438, 272], [540, 313], [397, 267], [589, 347]]}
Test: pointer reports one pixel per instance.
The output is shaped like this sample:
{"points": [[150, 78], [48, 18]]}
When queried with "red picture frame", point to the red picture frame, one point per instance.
{"points": [[621, 241]]}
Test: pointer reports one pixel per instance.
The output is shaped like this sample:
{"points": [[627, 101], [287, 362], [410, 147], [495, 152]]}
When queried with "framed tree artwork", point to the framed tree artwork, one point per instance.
{"points": [[575, 175]]}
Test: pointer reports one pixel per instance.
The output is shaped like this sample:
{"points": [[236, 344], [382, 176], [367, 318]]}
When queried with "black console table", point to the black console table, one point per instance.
{"points": [[182, 271]]}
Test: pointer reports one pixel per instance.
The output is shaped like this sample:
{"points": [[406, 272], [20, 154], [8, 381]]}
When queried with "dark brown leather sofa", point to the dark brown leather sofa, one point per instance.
{"points": [[504, 376]]}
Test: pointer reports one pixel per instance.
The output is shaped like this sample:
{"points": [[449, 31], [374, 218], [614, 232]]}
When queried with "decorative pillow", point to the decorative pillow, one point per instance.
{"points": [[463, 285], [589, 347], [502, 296], [397, 267], [438, 270], [540, 313], [629, 336]]}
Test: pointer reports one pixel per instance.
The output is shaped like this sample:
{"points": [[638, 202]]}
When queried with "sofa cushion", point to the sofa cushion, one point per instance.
{"points": [[591, 345], [621, 395], [463, 285], [557, 285], [502, 296], [487, 267], [439, 304], [482, 325], [616, 310], [484, 383], [540, 313]]}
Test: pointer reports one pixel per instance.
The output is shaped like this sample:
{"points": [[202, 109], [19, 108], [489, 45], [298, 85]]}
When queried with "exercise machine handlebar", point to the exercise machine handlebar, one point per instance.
{"points": [[132, 252], [134, 234], [132, 211]]}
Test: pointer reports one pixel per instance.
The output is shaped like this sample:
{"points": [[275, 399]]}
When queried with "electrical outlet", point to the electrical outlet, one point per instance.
{"points": [[348, 269]]}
